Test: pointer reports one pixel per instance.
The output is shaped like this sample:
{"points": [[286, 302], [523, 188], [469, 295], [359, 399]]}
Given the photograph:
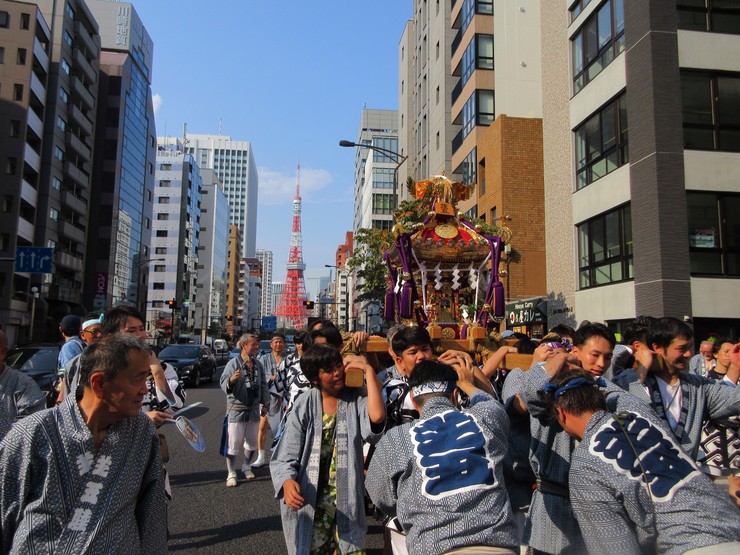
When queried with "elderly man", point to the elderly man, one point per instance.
{"points": [[86, 476], [19, 394], [704, 361], [247, 399]]}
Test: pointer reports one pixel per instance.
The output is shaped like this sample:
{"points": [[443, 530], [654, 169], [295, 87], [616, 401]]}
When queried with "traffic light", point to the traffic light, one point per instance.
{"points": [[308, 304], [172, 304], [229, 317]]}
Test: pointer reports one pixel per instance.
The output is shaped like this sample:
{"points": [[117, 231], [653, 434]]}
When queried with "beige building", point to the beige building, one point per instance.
{"points": [[642, 153]]}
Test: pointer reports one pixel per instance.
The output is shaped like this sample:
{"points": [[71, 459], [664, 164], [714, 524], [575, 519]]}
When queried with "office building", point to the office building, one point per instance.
{"points": [[375, 170], [118, 256], [25, 48], [641, 161], [210, 306], [266, 308], [175, 240]]}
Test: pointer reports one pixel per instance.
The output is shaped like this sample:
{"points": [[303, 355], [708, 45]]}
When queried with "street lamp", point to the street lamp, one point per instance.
{"points": [[346, 292], [400, 159]]}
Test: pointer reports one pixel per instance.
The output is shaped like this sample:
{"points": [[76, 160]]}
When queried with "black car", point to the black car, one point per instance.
{"points": [[194, 363], [37, 361]]}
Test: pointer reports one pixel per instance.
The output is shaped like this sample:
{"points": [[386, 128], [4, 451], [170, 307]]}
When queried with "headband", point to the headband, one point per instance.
{"points": [[557, 391], [89, 323], [433, 387]]}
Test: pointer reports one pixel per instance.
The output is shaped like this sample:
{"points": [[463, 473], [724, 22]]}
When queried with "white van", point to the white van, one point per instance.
{"points": [[220, 345]]}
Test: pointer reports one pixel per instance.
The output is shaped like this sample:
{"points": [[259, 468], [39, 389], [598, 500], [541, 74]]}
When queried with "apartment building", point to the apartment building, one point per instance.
{"points": [[642, 154]]}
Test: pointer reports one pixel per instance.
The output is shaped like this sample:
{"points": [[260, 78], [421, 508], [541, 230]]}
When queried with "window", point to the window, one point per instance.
{"points": [[161, 217], [54, 214], [18, 92], [58, 154], [711, 111], [165, 167], [601, 143], [382, 178], [65, 66], [25, 21], [56, 183], [161, 233], [598, 42], [4, 19], [163, 200], [2, 54], [61, 124], [385, 225], [7, 203], [160, 268], [69, 11], [470, 168], [15, 128], [714, 233], [160, 250], [605, 249], [472, 214], [577, 8], [158, 286], [21, 57], [11, 165], [164, 183], [720, 16], [64, 95], [382, 203], [68, 38], [387, 143], [478, 110]]}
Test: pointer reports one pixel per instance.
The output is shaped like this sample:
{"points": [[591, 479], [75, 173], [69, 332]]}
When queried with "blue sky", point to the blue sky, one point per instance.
{"points": [[292, 78]]}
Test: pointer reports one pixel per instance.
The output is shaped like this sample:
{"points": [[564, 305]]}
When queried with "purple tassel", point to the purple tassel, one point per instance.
{"points": [[405, 308], [498, 299], [390, 301]]}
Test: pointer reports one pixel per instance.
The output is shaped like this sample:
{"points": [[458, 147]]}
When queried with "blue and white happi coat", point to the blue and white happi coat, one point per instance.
{"points": [[61, 495], [19, 397], [442, 477]]}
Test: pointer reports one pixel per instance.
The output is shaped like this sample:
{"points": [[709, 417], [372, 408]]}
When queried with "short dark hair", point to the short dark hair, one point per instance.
{"points": [[330, 333], [299, 336], [596, 329], [563, 330], [324, 323], [110, 355], [587, 398], [116, 317], [410, 336], [432, 371], [319, 357], [663, 331], [525, 346], [637, 330]]}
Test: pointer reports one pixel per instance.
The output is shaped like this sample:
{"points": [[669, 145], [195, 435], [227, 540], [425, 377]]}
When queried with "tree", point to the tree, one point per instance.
{"points": [[367, 263]]}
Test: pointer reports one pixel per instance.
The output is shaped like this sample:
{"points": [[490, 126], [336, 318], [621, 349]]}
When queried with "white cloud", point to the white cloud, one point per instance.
{"points": [[276, 187], [157, 102]]}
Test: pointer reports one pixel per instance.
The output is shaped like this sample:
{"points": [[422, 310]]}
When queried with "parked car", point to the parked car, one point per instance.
{"points": [[38, 361], [194, 363]]}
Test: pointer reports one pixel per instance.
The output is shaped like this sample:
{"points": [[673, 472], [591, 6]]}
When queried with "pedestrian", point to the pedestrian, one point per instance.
{"points": [[70, 327], [317, 466], [632, 488], [86, 476], [270, 364], [19, 394], [247, 400], [442, 475]]}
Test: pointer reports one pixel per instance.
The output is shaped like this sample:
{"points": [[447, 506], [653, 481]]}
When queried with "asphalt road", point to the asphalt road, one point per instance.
{"points": [[207, 517]]}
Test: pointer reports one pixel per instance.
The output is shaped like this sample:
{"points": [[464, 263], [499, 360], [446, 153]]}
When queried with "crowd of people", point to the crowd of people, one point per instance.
{"points": [[596, 447]]}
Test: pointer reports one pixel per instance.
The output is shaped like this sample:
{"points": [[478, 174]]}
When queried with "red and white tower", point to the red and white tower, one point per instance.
{"points": [[291, 311]]}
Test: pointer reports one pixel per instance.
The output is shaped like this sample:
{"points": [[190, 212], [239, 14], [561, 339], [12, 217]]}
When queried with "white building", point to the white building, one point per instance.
{"points": [[266, 306]]}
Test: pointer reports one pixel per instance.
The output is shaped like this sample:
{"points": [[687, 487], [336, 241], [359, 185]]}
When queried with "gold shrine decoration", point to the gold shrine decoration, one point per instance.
{"points": [[443, 189], [446, 231]]}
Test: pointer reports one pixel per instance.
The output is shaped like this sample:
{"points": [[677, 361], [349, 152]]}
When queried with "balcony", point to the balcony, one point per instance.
{"points": [[68, 261], [86, 40], [81, 120], [34, 122], [32, 158], [80, 91], [38, 88], [78, 145], [40, 54], [25, 230], [81, 64], [29, 193], [77, 204], [77, 174], [73, 232]]}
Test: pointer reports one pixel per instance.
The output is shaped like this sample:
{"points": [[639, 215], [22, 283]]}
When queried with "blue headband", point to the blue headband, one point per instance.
{"points": [[557, 391]]}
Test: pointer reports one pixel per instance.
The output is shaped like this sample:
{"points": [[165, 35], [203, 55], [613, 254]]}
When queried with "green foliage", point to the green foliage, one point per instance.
{"points": [[367, 263]]}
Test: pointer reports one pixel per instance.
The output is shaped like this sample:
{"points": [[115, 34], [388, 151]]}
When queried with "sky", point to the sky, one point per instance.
{"points": [[290, 77]]}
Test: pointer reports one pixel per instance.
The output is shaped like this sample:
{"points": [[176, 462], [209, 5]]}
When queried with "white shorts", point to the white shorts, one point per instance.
{"points": [[242, 433]]}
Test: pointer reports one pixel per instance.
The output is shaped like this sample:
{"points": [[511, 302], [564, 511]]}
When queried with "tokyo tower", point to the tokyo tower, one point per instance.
{"points": [[291, 311]]}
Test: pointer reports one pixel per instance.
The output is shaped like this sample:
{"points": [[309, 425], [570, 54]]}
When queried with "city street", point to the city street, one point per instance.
{"points": [[205, 516]]}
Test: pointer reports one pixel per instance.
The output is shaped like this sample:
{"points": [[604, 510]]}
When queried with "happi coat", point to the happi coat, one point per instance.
{"points": [[442, 477], [297, 457], [61, 496], [551, 527], [243, 400], [19, 397], [682, 509]]}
